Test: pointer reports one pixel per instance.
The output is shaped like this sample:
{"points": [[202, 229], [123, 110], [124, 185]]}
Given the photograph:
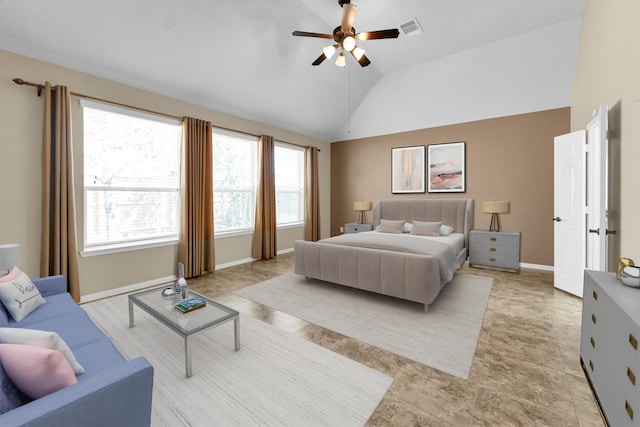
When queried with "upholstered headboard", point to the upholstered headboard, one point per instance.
{"points": [[456, 213]]}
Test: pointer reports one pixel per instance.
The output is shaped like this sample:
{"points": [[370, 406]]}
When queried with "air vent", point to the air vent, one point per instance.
{"points": [[412, 28]]}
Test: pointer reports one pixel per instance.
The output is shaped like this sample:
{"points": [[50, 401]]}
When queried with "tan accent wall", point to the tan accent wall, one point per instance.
{"points": [[508, 158]]}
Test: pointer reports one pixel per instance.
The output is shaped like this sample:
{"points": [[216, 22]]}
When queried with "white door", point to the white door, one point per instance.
{"points": [[597, 190], [569, 211]]}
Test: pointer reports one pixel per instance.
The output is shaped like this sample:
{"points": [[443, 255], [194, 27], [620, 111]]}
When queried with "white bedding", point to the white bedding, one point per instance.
{"points": [[455, 240]]}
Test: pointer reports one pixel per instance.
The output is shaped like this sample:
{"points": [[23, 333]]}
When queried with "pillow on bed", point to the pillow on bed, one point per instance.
{"points": [[421, 228], [445, 230], [388, 226]]}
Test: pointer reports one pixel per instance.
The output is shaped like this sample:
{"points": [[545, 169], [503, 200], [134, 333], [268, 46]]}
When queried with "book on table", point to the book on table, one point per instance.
{"points": [[191, 304]]}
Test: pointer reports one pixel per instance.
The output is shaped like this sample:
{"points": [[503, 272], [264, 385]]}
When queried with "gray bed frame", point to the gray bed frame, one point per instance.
{"points": [[408, 276]]}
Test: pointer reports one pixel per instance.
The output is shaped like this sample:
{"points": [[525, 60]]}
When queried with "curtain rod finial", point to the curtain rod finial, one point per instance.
{"points": [[19, 81]]}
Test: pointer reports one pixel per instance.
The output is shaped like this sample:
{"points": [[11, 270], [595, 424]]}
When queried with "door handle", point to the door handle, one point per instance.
{"points": [[607, 232], [597, 231], [557, 219]]}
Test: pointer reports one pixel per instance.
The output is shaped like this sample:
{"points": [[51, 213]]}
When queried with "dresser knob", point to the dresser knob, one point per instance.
{"points": [[595, 295], [631, 375], [593, 319], [593, 343], [633, 341], [628, 408]]}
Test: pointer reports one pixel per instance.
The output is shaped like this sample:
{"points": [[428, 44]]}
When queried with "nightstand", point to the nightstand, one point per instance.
{"points": [[495, 249], [354, 227]]}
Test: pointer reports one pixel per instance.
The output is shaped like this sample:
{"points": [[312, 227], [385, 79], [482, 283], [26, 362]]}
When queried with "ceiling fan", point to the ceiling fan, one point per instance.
{"points": [[345, 37]]}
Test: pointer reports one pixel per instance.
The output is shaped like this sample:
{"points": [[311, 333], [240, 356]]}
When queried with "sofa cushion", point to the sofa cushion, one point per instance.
{"points": [[19, 295], [35, 370], [96, 357], [47, 339], [57, 306], [10, 396]]}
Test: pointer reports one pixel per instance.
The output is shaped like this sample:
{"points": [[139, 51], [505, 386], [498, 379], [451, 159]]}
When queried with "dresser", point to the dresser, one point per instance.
{"points": [[609, 347], [495, 249], [354, 227]]}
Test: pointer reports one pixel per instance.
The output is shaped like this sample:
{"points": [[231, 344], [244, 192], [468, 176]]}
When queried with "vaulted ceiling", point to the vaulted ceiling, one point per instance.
{"points": [[239, 57]]}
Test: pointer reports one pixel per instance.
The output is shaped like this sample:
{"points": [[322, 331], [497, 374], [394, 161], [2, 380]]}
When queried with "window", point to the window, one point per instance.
{"points": [[131, 177], [289, 171], [234, 181]]}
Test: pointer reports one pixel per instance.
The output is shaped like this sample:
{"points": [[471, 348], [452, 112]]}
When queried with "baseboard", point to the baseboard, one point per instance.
{"points": [[126, 289], [160, 281], [536, 266]]}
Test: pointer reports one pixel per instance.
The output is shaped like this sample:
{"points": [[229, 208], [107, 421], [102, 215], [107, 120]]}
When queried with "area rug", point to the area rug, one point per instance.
{"points": [[276, 378], [444, 338]]}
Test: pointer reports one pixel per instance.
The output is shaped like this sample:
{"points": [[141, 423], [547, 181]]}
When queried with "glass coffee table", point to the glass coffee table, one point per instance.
{"points": [[184, 324]]}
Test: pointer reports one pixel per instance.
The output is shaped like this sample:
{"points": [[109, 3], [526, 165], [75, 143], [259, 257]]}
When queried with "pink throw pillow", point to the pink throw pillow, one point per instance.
{"points": [[35, 370], [13, 275]]}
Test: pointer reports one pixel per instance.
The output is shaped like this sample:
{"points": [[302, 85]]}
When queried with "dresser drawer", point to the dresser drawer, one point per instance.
{"points": [[503, 261], [357, 228], [495, 238], [482, 249]]}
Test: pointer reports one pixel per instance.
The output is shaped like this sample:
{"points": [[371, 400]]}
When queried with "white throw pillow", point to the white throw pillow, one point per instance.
{"points": [[47, 339], [421, 228], [445, 230], [19, 295], [388, 226], [407, 227]]}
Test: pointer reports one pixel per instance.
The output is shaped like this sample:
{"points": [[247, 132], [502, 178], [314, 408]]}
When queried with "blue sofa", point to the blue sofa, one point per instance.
{"points": [[111, 392]]}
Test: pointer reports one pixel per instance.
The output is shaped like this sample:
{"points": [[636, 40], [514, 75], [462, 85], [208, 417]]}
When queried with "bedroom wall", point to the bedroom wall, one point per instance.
{"points": [[608, 70], [20, 174], [508, 158], [530, 72]]}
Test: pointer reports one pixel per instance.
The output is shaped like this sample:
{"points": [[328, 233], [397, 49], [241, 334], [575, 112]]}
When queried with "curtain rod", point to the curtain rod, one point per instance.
{"points": [[40, 87]]}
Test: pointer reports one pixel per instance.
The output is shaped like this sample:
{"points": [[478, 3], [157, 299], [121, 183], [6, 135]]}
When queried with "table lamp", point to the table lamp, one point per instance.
{"points": [[9, 256], [361, 207], [495, 208]]}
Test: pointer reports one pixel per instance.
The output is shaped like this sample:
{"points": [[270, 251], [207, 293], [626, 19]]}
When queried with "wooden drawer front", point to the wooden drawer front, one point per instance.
{"points": [[495, 260], [495, 238]]}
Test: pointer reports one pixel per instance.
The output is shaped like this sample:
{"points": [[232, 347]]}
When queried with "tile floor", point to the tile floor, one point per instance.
{"points": [[526, 371]]}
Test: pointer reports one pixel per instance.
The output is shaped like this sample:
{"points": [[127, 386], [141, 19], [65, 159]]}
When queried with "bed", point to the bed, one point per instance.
{"points": [[406, 265]]}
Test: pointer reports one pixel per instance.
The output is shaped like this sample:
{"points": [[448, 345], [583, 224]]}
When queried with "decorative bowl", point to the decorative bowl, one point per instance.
{"points": [[168, 293], [630, 276]]}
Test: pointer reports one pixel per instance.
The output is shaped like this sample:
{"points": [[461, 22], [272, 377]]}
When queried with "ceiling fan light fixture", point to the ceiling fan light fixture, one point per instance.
{"points": [[329, 51], [349, 43], [341, 61], [357, 53]]}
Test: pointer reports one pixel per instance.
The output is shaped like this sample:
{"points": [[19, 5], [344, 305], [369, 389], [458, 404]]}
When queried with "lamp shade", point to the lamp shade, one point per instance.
{"points": [[361, 206], [495, 207], [9, 256]]}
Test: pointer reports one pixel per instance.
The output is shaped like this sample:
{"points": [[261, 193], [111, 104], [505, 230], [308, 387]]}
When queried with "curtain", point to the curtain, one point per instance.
{"points": [[59, 247], [264, 238], [196, 248], [312, 195]]}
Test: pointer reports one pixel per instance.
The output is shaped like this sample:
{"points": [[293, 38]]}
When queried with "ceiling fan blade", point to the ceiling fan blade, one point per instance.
{"points": [[308, 34], [348, 14], [363, 61], [376, 35], [319, 60]]}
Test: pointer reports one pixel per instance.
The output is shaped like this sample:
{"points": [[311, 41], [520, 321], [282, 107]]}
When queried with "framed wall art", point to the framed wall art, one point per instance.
{"points": [[408, 170], [447, 168]]}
